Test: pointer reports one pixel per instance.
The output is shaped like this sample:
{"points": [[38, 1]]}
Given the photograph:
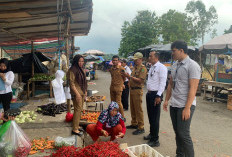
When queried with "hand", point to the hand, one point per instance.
{"points": [[2, 75], [105, 133], [9, 118], [157, 101], [123, 87], [120, 135], [125, 74], [186, 114], [165, 106]]}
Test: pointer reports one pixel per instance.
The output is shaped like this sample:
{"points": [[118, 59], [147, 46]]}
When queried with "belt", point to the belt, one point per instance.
{"points": [[136, 88], [151, 91]]}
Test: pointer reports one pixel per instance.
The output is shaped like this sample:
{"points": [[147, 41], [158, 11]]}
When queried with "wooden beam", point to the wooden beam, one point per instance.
{"points": [[41, 9], [39, 35], [41, 25], [13, 22], [24, 4], [16, 35], [46, 9]]}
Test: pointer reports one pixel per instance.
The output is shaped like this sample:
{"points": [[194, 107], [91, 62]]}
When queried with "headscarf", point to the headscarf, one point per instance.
{"points": [[6, 62], [106, 118], [79, 73]]}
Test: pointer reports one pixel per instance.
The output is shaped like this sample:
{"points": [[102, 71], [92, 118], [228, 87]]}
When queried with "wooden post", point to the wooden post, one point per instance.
{"points": [[200, 59], [67, 56], [67, 37], [73, 47], [32, 69]]}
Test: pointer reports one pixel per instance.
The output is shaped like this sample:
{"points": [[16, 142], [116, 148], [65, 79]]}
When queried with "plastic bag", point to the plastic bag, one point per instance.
{"points": [[67, 92], [14, 142], [69, 117], [68, 141], [58, 89]]}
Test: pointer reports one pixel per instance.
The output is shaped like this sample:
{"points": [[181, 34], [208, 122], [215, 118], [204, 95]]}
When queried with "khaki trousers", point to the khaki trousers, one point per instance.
{"points": [[117, 97], [136, 108], [78, 106]]}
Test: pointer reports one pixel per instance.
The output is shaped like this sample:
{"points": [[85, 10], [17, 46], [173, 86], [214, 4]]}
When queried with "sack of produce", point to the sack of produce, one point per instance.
{"points": [[61, 141], [13, 141]]}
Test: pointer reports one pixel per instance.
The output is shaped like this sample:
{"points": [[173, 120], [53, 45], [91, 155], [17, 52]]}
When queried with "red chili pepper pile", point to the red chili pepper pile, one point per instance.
{"points": [[22, 152], [99, 149]]}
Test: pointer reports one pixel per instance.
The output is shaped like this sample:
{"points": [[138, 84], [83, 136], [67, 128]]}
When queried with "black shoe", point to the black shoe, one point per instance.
{"points": [[81, 129], [132, 126], [148, 137], [153, 143], [125, 109], [138, 131], [78, 134]]}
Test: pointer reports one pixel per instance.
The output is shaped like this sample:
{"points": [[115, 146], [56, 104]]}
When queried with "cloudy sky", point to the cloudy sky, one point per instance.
{"points": [[109, 15]]}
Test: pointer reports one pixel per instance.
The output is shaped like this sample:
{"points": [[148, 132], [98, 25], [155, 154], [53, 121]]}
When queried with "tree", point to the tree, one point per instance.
{"points": [[142, 31], [213, 34], [228, 31], [203, 20], [176, 26]]}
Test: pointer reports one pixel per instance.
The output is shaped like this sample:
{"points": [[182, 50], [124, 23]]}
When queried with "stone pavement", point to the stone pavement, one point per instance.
{"points": [[211, 127]]}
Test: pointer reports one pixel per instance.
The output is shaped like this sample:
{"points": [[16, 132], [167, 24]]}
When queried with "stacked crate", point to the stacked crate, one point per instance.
{"points": [[229, 102]]}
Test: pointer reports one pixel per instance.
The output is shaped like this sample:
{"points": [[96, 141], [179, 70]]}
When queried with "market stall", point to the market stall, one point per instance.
{"points": [[217, 61]]}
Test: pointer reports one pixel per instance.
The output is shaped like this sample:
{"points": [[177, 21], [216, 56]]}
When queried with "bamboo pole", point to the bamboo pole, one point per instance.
{"points": [[67, 56], [32, 69], [73, 47]]}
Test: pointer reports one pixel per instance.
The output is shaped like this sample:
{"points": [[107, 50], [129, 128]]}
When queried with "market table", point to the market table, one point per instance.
{"points": [[33, 87], [217, 87], [97, 100]]}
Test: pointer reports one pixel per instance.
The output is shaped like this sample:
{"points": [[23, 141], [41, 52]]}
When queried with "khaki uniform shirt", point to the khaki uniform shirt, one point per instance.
{"points": [[138, 72], [73, 82], [117, 80]]}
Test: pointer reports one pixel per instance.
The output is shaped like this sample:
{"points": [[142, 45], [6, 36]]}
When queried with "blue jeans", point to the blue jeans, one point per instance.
{"points": [[181, 128]]}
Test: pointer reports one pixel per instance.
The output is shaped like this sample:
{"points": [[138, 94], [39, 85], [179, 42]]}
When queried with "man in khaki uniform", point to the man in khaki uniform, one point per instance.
{"points": [[137, 79], [117, 83]]}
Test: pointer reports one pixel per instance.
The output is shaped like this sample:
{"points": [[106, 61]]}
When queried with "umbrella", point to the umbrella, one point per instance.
{"points": [[101, 58], [91, 58], [94, 52], [218, 44]]}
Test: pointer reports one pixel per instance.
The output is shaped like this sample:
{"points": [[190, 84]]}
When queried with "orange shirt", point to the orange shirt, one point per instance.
{"points": [[117, 80]]}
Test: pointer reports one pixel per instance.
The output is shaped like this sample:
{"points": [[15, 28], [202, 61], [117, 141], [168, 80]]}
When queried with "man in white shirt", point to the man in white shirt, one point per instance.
{"points": [[156, 83], [125, 92]]}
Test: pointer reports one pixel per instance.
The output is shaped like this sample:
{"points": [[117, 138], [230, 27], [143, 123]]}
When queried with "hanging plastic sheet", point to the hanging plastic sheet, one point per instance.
{"points": [[58, 89]]}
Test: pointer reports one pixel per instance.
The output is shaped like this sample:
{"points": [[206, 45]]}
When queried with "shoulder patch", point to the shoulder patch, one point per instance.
{"points": [[142, 70]]}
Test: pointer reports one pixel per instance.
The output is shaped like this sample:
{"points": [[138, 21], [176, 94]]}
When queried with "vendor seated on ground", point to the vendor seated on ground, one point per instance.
{"points": [[110, 123]]}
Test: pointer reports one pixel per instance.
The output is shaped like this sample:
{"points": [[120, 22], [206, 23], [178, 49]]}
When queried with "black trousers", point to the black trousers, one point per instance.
{"points": [[153, 115], [5, 99], [125, 95], [181, 128]]}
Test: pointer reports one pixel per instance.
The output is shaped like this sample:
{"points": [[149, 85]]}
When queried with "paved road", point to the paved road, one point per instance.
{"points": [[211, 127]]}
